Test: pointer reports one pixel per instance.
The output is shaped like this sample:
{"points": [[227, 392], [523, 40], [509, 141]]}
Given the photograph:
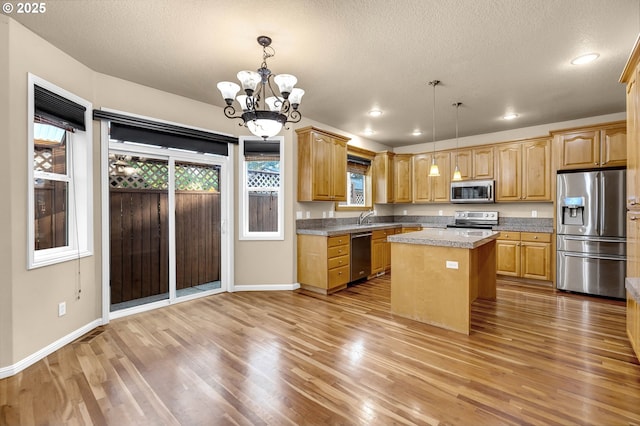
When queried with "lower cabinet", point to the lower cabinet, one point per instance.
{"points": [[381, 250], [524, 255], [323, 262], [633, 323]]}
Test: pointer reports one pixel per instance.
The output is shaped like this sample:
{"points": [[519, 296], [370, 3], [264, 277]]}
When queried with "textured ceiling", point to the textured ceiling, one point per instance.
{"points": [[350, 56]]}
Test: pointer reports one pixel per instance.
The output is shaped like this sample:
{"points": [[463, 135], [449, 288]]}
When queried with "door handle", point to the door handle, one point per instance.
{"points": [[595, 257]]}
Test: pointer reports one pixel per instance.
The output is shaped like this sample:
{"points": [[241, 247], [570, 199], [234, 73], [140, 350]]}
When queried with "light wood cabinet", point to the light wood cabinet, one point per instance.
{"points": [[402, 178], [633, 323], [524, 254], [383, 177], [322, 165], [592, 147], [381, 250], [473, 163], [631, 76], [524, 171], [431, 188], [323, 262], [633, 243], [508, 254]]}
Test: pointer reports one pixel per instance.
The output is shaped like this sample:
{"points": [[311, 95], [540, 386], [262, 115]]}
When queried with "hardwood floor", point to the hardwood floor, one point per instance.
{"points": [[534, 356]]}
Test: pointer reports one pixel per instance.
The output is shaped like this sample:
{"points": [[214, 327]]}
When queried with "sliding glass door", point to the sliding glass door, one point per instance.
{"points": [[165, 220], [197, 236]]}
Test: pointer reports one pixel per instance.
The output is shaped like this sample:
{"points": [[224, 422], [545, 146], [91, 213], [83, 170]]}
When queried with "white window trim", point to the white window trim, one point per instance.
{"points": [[243, 196], [80, 201]]}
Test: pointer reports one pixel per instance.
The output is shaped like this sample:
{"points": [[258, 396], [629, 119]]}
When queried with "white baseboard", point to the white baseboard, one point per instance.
{"points": [[37, 356], [267, 287]]}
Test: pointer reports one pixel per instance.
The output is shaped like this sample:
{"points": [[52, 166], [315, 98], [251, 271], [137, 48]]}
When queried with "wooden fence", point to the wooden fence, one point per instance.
{"points": [[265, 207], [139, 241]]}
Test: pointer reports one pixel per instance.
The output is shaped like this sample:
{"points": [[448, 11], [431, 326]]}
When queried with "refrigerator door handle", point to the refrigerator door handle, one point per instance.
{"points": [[597, 257], [599, 187]]}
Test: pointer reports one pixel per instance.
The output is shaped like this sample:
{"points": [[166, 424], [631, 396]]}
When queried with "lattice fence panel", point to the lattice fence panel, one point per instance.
{"points": [[192, 177], [149, 174], [263, 179]]}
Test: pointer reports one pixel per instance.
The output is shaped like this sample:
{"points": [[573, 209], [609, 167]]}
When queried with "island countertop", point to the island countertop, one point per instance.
{"points": [[457, 238]]}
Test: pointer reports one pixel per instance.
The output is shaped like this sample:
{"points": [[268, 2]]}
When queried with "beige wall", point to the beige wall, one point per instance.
{"points": [[35, 294], [6, 334]]}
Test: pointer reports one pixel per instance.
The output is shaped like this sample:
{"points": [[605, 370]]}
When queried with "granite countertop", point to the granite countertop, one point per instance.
{"points": [[329, 231], [633, 287], [457, 238]]}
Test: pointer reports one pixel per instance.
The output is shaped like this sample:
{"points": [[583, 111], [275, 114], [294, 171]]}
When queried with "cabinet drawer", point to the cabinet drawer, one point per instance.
{"points": [[382, 233], [338, 276], [508, 235], [336, 262], [338, 251], [538, 237], [338, 240]]}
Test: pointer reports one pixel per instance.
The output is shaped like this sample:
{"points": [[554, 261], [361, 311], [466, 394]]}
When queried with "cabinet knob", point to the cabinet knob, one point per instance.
{"points": [[535, 238], [340, 273], [339, 251], [596, 163], [633, 218]]}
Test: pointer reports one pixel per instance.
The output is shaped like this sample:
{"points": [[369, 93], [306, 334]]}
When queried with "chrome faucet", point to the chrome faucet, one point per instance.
{"points": [[365, 215]]}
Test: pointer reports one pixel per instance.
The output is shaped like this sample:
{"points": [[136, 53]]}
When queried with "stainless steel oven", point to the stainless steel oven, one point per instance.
{"points": [[472, 191]]}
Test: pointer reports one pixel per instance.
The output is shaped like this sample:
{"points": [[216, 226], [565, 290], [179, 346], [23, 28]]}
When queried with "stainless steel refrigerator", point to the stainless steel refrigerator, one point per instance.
{"points": [[591, 245]]}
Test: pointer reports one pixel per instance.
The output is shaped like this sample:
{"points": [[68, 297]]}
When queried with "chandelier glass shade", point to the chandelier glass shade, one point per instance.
{"points": [[262, 109]]}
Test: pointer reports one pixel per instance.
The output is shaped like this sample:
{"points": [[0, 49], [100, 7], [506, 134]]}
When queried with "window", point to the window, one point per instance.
{"points": [[261, 198], [60, 205], [358, 180]]}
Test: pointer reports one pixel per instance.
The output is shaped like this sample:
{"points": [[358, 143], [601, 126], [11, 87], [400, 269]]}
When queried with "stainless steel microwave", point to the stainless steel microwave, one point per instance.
{"points": [[472, 191]]}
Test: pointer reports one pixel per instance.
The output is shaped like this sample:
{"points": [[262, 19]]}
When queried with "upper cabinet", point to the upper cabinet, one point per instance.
{"points": [[383, 177], [322, 165], [524, 171], [402, 178], [631, 76], [431, 188], [592, 147], [474, 163]]}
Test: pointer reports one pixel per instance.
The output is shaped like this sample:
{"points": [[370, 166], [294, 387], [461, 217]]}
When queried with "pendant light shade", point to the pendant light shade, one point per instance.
{"points": [[456, 172], [434, 171]]}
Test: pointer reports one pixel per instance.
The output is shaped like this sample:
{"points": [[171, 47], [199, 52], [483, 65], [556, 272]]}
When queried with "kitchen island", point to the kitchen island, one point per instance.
{"points": [[438, 273]]}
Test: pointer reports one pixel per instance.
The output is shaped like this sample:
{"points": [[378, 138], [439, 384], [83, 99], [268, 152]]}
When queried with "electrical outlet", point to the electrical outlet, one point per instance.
{"points": [[451, 264], [440, 212], [308, 215], [404, 212], [62, 308], [298, 215], [534, 213], [331, 213], [324, 215]]}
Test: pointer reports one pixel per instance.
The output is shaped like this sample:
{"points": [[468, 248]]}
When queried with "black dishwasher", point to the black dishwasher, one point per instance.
{"points": [[360, 255]]}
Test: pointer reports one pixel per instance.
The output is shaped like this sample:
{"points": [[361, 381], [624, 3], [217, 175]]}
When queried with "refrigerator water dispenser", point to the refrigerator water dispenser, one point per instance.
{"points": [[572, 211]]}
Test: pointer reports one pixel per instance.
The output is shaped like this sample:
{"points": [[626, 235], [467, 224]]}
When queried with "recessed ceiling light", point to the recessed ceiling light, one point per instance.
{"points": [[585, 59], [510, 116], [416, 133], [375, 113], [368, 132]]}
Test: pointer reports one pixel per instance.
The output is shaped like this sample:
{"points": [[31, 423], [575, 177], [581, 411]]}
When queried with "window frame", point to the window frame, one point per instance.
{"points": [[368, 185], [79, 178], [243, 198]]}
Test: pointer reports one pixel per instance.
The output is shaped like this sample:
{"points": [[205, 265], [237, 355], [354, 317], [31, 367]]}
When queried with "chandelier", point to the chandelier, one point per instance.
{"points": [[264, 112]]}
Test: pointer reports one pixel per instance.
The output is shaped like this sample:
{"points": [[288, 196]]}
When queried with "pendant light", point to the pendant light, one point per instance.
{"points": [[456, 171], [434, 171]]}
